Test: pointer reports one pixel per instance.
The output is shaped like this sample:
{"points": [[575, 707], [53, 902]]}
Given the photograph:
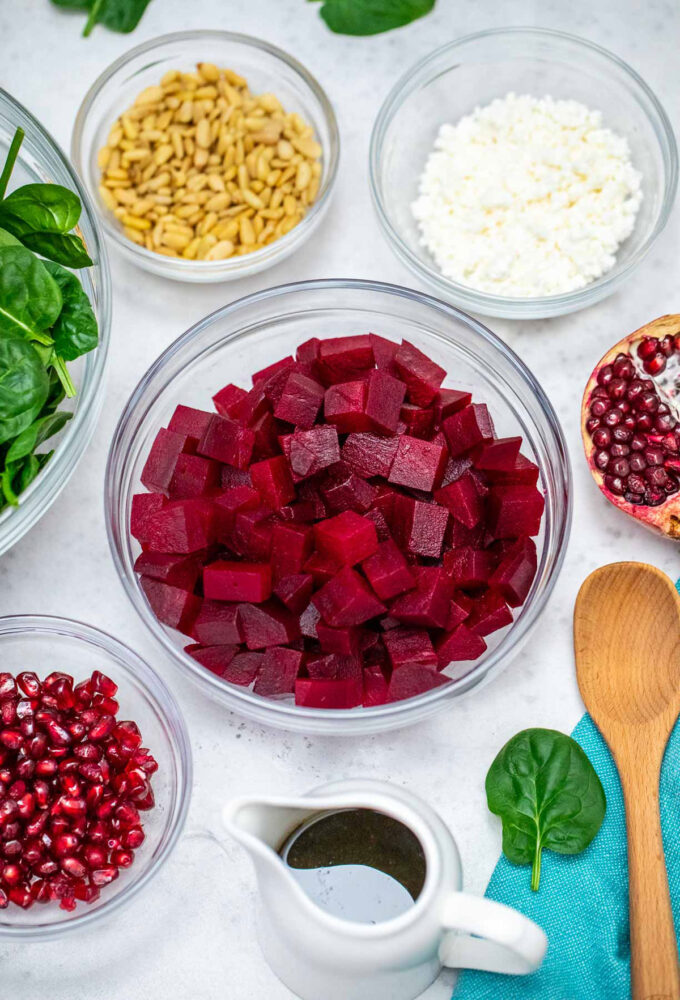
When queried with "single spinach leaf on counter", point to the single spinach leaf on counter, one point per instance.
{"points": [[24, 385], [117, 15], [548, 796], [370, 17], [40, 430], [64, 248], [75, 332], [44, 208], [30, 300]]}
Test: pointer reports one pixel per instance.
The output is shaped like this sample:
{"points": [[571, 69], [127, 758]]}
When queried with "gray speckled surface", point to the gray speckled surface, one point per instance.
{"points": [[191, 934]]}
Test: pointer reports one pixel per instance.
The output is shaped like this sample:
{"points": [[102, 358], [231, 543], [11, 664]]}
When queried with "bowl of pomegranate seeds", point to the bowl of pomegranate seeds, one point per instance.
{"points": [[95, 775], [338, 504]]}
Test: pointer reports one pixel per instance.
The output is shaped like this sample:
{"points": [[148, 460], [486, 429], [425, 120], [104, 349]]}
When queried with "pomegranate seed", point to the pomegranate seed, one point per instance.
{"points": [[599, 407], [612, 418], [11, 738], [67, 903], [4, 900], [623, 367], [133, 838], [102, 728], [21, 895], [73, 867], [127, 814], [614, 484], [592, 423], [8, 687], [88, 752], [28, 682], [617, 388], [605, 375], [12, 849], [10, 874], [602, 437], [94, 856], [647, 347], [100, 682], [72, 805], [66, 843], [102, 876], [602, 459], [654, 456], [619, 467], [88, 893], [40, 891], [123, 859]]}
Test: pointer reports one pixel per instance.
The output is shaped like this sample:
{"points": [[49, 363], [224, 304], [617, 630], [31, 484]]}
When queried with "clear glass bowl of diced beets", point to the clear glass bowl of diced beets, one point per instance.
{"points": [[99, 743], [338, 504]]}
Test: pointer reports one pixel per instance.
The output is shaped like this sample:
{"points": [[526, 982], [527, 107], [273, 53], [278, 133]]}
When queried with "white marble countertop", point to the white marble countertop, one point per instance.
{"points": [[191, 934]]}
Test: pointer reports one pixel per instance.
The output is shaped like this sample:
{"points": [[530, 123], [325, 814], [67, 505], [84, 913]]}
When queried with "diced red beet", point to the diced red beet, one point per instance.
{"points": [[182, 526], [384, 501], [469, 568], [490, 612], [309, 492], [384, 396], [343, 490], [228, 504], [455, 468], [418, 527], [460, 609], [408, 646], [418, 464], [461, 644], [227, 441], [178, 571], [410, 681], [301, 512], [498, 454], [217, 624], [308, 452], [375, 686], [322, 568], [460, 537], [347, 538], [266, 373], [345, 406], [292, 545], [266, 431], [252, 535], [462, 499], [419, 420], [514, 511], [448, 401], [370, 454], [342, 358], [388, 572], [229, 476], [381, 526], [213, 658], [428, 605], [278, 671], [421, 375], [144, 506], [383, 352], [243, 669], [189, 421], [467, 428], [172, 606], [308, 352], [272, 480], [229, 401], [193, 477], [254, 405], [335, 666], [268, 625], [309, 620], [295, 591], [320, 693], [338, 640], [300, 401], [160, 465], [347, 600], [237, 581], [515, 573], [523, 472]]}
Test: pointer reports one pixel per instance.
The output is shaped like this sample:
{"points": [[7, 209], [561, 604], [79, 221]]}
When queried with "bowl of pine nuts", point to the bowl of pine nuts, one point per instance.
{"points": [[209, 155]]}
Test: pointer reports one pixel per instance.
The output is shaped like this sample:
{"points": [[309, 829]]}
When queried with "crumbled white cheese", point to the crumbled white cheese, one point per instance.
{"points": [[527, 197]]}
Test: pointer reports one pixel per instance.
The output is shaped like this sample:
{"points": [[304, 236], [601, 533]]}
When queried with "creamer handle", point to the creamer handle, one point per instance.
{"points": [[504, 941]]}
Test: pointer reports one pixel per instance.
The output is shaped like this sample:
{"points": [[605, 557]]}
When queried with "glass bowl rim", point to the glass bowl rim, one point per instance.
{"points": [[165, 703], [287, 715], [45, 489], [268, 254], [518, 306]]}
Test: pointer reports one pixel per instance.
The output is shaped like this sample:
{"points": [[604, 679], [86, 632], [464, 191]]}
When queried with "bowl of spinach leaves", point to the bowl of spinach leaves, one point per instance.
{"points": [[55, 316]]}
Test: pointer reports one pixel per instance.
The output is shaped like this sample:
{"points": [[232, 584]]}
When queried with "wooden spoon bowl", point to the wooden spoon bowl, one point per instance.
{"points": [[627, 646]]}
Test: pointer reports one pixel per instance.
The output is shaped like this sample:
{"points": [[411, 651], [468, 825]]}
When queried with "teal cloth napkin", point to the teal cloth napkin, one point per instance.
{"points": [[582, 904]]}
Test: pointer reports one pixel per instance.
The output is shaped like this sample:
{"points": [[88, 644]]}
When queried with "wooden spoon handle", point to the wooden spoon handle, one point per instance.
{"points": [[654, 954]]}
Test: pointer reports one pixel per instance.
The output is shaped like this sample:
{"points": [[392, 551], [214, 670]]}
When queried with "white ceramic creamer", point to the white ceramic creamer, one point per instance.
{"points": [[320, 956]]}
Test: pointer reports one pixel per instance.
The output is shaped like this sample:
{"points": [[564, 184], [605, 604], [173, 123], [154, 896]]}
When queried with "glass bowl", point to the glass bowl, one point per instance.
{"points": [[40, 160], [266, 68], [44, 644], [246, 336], [471, 72]]}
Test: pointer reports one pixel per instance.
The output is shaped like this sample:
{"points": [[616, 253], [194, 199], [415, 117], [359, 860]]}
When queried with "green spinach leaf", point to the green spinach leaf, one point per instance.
{"points": [[7, 240], [548, 796], [44, 208], [118, 15], [40, 430], [30, 300], [24, 385], [75, 332], [67, 248], [370, 17]]}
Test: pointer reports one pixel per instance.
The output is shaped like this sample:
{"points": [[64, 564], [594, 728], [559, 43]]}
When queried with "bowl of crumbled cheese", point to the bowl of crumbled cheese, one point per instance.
{"points": [[522, 173]]}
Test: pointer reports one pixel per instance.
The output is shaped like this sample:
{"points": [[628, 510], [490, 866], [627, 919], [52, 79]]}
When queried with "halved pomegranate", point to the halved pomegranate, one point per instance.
{"points": [[630, 421]]}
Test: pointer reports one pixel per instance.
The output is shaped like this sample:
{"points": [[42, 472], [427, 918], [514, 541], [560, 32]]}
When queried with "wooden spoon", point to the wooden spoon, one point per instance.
{"points": [[627, 644]]}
